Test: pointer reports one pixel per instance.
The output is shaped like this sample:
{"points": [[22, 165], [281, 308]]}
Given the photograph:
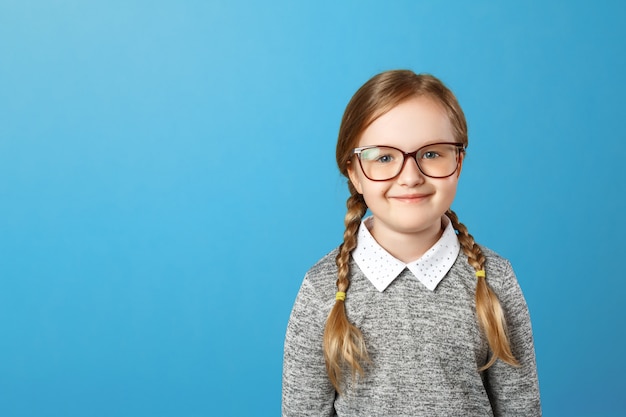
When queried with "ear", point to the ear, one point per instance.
{"points": [[354, 178], [461, 159]]}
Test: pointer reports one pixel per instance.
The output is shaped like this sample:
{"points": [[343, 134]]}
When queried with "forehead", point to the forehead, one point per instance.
{"points": [[410, 125]]}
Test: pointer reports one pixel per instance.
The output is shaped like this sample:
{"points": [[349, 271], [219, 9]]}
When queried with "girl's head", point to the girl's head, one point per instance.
{"points": [[394, 95], [396, 113], [386, 91]]}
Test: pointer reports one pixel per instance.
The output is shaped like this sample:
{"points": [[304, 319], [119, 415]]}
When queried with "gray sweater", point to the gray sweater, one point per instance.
{"points": [[425, 347]]}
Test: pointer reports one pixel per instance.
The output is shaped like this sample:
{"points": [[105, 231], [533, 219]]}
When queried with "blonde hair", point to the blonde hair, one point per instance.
{"points": [[344, 345]]}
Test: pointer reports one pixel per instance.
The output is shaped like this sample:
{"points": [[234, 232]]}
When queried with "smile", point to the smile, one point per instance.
{"points": [[410, 198]]}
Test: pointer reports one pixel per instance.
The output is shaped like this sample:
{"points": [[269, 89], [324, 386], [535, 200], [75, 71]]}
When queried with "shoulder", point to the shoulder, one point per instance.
{"points": [[322, 276], [499, 272], [496, 263], [323, 269], [501, 277], [324, 266], [317, 291]]}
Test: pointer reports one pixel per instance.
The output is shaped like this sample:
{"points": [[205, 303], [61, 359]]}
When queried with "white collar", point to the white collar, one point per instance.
{"points": [[381, 268]]}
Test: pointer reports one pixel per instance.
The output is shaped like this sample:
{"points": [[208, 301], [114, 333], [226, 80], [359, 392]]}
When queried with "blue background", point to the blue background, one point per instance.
{"points": [[167, 177]]}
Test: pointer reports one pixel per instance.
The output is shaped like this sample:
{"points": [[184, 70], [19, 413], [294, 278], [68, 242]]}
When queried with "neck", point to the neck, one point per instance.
{"points": [[407, 247]]}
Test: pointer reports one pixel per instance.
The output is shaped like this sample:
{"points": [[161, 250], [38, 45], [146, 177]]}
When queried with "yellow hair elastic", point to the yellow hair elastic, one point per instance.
{"points": [[480, 274], [340, 296]]}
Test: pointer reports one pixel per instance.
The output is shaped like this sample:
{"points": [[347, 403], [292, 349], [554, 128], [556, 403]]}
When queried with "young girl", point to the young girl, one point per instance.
{"points": [[409, 316]]}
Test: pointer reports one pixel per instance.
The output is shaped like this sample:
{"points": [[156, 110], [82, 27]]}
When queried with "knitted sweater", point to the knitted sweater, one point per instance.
{"points": [[425, 347]]}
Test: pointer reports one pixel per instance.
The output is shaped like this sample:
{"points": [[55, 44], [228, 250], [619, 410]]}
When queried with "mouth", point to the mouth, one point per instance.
{"points": [[410, 198]]}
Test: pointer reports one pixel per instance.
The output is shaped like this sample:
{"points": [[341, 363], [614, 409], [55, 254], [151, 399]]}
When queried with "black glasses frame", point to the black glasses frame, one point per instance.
{"points": [[460, 149]]}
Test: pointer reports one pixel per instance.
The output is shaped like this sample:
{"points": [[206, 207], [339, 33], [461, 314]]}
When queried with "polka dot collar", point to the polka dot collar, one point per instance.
{"points": [[381, 268]]}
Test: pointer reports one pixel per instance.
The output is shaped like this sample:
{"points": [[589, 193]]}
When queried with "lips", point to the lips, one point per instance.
{"points": [[409, 198]]}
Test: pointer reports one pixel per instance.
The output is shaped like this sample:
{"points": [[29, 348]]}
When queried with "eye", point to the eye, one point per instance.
{"points": [[430, 155], [441, 151], [385, 159]]}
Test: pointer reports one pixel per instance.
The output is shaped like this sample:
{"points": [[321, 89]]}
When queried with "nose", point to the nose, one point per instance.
{"points": [[410, 174]]}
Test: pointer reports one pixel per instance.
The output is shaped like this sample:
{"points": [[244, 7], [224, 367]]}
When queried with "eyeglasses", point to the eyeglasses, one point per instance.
{"points": [[382, 163]]}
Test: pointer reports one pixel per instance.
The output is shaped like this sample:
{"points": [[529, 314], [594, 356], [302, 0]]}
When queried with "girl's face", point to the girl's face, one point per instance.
{"points": [[410, 204]]}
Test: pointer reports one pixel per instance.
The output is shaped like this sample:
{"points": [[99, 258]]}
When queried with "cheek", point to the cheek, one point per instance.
{"points": [[448, 189], [373, 190]]}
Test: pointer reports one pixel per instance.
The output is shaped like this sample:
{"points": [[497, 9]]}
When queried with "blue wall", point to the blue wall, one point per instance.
{"points": [[167, 177]]}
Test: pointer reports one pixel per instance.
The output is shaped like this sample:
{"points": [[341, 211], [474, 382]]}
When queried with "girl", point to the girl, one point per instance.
{"points": [[409, 316]]}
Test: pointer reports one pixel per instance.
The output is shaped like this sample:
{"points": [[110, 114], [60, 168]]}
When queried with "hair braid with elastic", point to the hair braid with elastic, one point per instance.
{"points": [[488, 309], [343, 342]]}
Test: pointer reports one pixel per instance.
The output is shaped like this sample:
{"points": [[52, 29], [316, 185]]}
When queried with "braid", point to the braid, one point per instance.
{"points": [[488, 309], [343, 342]]}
